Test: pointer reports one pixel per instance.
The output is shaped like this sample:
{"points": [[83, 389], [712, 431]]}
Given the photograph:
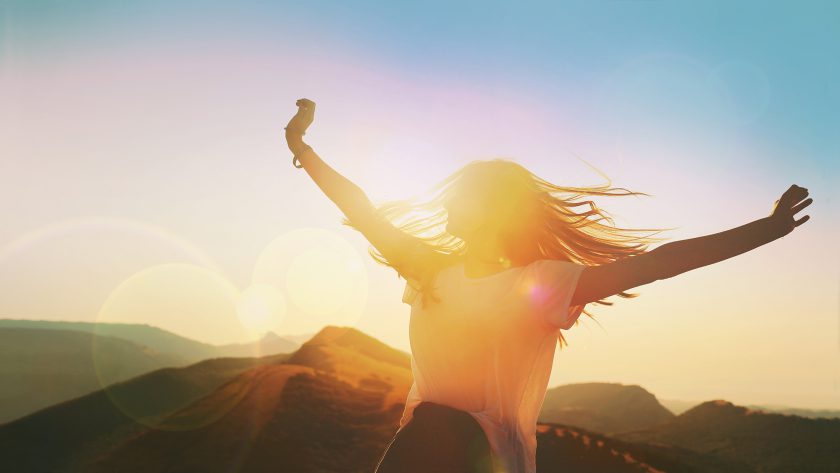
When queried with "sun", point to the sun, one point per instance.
{"points": [[322, 277]]}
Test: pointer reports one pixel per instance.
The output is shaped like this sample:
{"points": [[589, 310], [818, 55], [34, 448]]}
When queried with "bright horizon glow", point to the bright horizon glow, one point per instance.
{"points": [[139, 136]]}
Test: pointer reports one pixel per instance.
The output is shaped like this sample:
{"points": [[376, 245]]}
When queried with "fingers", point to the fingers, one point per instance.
{"points": [[801, 221], [796, 208], [793, 195]]}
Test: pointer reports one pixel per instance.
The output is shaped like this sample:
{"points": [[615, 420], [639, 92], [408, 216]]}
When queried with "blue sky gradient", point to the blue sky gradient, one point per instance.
{"points": [[141, 144]]}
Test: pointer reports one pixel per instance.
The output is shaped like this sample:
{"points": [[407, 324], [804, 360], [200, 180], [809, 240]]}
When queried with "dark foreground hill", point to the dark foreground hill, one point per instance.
{"points": [[768, 442], [562, 448], [67, 436]]}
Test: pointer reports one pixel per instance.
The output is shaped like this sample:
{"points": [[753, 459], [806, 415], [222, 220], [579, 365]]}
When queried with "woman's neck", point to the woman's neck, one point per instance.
{"points": [[485, 257]]}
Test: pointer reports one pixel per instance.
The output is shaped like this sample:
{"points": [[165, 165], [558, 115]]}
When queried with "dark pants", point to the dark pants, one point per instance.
{"points": [[438, 439]]}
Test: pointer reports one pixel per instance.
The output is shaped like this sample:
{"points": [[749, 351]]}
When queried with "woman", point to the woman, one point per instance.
{"points": [[496, 264]]}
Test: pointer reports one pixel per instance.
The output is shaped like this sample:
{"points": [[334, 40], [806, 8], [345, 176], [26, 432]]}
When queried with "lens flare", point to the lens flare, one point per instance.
{"points": [[324, 278], [176, 295], [261, 308]]}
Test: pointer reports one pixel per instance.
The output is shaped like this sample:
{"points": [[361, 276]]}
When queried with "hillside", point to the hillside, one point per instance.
{"points": [[562, 448], [329, 409], [39, 368], [43, 362], [335, 404], [65, 437], [162, 341], [603, 407], [768, 442]]}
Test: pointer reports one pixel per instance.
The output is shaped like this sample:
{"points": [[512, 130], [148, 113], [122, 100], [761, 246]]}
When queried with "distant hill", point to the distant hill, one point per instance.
{"points": [[678, 406], [156, 339], [65, 437], [603, 407], [796, 411], [45, 362], [767, 442], [162, 341], [39, 368]]}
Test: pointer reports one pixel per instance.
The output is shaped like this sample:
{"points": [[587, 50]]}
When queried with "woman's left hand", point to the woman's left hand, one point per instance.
{"points": [[303, 118], [788, 205]]}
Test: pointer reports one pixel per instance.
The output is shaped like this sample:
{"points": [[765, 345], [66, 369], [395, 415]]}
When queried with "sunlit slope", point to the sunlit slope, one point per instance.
{"points": [[332, 407]]}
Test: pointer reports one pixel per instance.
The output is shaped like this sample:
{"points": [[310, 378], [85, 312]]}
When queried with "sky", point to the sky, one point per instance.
{"points": [[144, 175]]}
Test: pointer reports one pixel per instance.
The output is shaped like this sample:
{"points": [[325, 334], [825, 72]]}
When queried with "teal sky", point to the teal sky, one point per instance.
{"points": [[784, 83], [143, 166]]}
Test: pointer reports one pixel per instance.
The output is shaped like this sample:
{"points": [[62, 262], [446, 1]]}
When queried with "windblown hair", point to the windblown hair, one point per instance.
{"points": [[544, 224]]}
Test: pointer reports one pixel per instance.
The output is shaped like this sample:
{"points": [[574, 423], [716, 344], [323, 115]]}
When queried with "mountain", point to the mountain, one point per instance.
{"points": [[154, 338], [603, 407], [162, 341], [331, 406], [334, 406], [65, 437], [797, 411], [39, 368], [678, 406], [44, 362], [768, 442]]}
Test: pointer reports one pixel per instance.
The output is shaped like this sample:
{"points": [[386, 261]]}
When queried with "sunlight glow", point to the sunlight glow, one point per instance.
{"points": [[178, 296], [261, 308], [323, 276]]}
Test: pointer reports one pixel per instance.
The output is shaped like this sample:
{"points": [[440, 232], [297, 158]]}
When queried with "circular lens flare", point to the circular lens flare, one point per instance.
{"points": [[187, 298], [261, 308], [323, 277]]}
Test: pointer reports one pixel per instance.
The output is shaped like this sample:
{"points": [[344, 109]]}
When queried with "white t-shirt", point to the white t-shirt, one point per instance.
{"points": [[487, 348]]}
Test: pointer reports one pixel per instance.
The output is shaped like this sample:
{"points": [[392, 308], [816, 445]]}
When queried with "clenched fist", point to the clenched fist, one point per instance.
{"points": [[303, 118]]}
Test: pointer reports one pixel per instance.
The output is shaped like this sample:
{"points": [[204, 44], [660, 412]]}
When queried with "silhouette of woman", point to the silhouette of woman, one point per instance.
{"points": [[496, 263]]}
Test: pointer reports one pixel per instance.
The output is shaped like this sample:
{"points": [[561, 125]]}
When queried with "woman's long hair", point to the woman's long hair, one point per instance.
{"points": [[542, 223]]}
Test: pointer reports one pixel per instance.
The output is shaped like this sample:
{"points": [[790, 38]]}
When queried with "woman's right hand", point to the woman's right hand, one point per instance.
{"points": [[788, 205]]}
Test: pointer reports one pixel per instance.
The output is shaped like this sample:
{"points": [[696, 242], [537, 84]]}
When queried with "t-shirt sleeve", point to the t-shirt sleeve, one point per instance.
{"points": [[550, 293], [411, 294]]}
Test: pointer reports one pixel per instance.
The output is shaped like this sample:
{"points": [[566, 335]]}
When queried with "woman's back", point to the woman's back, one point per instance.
{"points": [[487, 347]]}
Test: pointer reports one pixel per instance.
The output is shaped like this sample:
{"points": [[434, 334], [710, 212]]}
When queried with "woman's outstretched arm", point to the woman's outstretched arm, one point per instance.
{"points": [[410, 255], [671, 259]]}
